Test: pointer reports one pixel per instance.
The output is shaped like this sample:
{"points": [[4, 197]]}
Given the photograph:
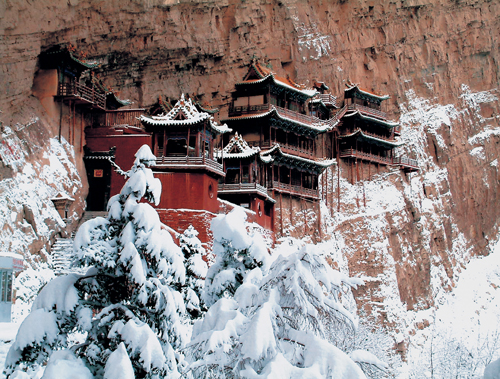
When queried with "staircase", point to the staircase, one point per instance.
{"points": [[62, 252]]}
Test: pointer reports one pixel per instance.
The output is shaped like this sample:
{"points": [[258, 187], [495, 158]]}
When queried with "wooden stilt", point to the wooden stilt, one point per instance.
{"points": [[281, 214]]}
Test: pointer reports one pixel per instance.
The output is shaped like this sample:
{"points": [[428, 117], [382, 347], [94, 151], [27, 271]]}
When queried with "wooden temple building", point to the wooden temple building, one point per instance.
{"points": [[267, 154]]}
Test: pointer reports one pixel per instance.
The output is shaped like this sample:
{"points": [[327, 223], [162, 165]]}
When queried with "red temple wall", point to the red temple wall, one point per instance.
{"points": [[181, 190], [179, 220], [126, 147]]}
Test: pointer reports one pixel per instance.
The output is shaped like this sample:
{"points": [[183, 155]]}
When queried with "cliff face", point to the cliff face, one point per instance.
{"points": [[439, 61]]}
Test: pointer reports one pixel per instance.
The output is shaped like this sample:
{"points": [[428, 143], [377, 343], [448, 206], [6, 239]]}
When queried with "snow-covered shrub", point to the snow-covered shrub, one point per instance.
{"points": [[27, 285], [271, 320], [196, 271], [129, 303], [236, 253]]}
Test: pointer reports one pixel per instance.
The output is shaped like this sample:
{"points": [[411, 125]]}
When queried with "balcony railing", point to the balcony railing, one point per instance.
{"points": [[294, 150], [82, 92], [248, 109], [295, 190], [283, 112], [326, 98], [378, 136], [123, 117], [296, 116], [352, 153], [186, 162], [333, 121], [367, 110], [242, 188], [404, 162]]}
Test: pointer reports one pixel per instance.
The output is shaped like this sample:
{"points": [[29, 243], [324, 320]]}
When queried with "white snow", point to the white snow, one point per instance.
{"points": [[63, 364], [118, 365], [26, 208], [59, 294], [492, 371]]}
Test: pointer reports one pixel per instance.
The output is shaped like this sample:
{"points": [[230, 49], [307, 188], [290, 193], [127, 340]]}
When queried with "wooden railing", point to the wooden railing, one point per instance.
{"points": [[295, 190], [190, 162], [333, 121], [296, 116], [243, 187], [396, 161], [352, 153], [258, 144], [247, 109], [388, 139], [327, 98], [123, 117], [406, 162], [81, 91], [283, 112], [371, 111], [294, 150]]}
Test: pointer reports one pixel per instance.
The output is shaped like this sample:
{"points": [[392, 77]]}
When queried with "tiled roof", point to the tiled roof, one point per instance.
{"points": [[269, 156], [265, 73], [184, 113], [351, 86], [317, 127], [359, 132], [387, 123], [239, 144]]}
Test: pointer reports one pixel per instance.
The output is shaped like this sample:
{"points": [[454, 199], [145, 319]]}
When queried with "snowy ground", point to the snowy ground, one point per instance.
{"points": [[464, 328], [8, 332]]}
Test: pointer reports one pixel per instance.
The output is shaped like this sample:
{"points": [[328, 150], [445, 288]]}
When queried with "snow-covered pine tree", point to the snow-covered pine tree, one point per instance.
{"points": [[236, 254], [196, 271], [132, 285], [281, 322]]}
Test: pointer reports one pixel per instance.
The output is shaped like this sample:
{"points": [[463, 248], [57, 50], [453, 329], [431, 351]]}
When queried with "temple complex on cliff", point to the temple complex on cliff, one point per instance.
{"points": [[268, 155]]}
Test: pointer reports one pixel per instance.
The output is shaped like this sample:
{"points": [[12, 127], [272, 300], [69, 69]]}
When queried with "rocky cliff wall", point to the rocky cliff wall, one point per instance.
{"points": [[437, 59]]}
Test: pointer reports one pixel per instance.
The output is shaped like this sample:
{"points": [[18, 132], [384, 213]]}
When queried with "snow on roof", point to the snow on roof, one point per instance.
{"points": [[388, 123], [352, 86], [317, 126], [265, 73], [276, 149], [241, 146], [184, 113], [370, 137], [11, 255], [61, 196]]}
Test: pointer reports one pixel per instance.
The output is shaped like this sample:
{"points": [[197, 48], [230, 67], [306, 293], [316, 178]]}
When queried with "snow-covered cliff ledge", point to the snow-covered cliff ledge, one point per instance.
{"points": [[35, 169]]}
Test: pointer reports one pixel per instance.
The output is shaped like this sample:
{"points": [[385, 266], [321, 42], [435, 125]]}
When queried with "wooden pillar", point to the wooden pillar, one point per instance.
{"points": [[281, 214], [318, 213], [358, 163], [82, 133], [338, 174], [325, 185], [165, 142]]}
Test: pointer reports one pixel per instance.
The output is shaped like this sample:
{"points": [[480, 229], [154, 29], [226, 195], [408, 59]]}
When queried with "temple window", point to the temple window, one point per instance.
{"points": [[192, 146], [176, 146], [296, 181], [6, 285], [245, 174], [159, 144], [232, 175], [284, 175], [281, 136]]}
